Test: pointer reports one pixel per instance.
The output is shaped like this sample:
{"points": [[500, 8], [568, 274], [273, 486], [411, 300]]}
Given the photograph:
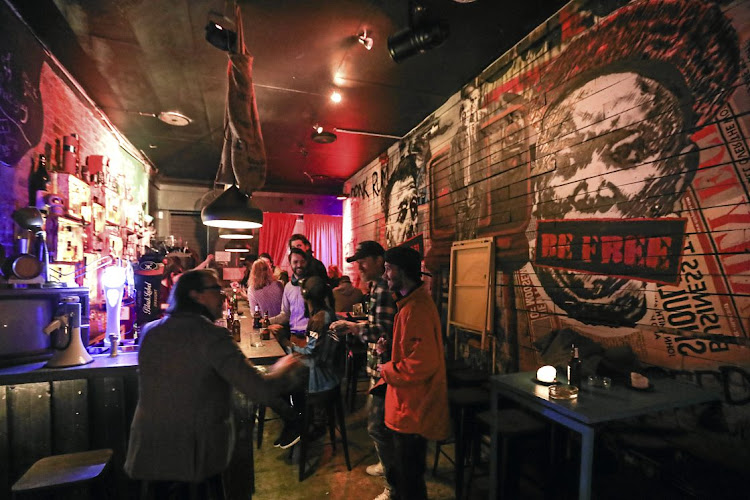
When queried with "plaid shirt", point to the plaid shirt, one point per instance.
{"points": [[379, 324]]}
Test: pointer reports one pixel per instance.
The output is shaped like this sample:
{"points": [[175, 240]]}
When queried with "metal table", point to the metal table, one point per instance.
{"points": [[593, 406]]}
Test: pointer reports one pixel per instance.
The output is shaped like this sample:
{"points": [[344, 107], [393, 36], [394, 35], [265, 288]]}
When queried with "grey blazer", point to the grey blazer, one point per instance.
{"points": [[182, 429]]}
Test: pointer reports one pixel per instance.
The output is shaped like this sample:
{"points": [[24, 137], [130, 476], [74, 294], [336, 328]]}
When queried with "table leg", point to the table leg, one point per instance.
{"points": [[494, 394], [587, 462]]}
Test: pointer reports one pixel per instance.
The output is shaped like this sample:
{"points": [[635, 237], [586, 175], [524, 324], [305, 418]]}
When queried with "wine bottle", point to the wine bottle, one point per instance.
{"points": [[574, 368]]}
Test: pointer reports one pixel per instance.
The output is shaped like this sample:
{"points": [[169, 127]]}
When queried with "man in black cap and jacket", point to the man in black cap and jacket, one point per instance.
{"points": [[377, 333]]}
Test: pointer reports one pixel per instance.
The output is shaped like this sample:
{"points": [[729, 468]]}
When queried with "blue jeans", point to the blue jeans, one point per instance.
{"points": [[381, 435]]}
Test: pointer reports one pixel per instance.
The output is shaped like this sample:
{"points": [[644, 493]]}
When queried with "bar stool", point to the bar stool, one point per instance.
{"points": [[465, 403], [331, 400], [59, 472], [356, 358], [512, 425]]}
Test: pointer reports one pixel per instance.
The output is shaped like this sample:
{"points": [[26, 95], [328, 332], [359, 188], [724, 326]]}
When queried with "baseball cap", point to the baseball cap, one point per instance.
{"points": [[367, 248], [407, 259]]}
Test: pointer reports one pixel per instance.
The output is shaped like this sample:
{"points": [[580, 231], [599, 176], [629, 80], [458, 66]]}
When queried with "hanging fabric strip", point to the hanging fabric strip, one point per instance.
{"points": [[243, 156]]}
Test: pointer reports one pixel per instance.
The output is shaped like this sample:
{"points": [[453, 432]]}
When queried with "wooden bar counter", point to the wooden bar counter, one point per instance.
{"points": [[48, 411]]}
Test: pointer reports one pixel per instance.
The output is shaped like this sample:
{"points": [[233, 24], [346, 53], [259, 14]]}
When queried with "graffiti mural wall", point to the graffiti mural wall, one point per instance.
{"points": [[607, 155]]}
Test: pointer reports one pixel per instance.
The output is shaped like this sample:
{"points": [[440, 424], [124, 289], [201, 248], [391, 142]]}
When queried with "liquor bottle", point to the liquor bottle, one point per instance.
{"points": [[236, 330], [256, 317], [574, 368]]}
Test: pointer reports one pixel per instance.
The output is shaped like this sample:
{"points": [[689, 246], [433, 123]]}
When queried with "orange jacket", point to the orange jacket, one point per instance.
{"points": [[416, 401]]}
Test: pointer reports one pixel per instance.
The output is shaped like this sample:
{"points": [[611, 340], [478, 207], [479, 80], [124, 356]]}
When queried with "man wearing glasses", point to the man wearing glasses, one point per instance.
{"points": [[182, 435]]}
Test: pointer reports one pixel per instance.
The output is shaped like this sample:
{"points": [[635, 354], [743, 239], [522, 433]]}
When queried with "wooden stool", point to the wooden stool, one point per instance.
{"points": [[331, 399], [512, 424], [63, 471]]}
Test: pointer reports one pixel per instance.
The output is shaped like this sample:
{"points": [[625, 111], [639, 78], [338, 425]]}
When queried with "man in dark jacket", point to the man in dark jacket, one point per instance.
{"points": [[182, 435]]}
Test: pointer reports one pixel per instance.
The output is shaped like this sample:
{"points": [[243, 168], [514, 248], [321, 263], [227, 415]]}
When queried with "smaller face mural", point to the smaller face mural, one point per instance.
{"points": [[402, 212], [401, 203]]}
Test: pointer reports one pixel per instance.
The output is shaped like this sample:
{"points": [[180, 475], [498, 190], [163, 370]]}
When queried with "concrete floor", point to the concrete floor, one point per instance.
{"points": [[276, 473]]}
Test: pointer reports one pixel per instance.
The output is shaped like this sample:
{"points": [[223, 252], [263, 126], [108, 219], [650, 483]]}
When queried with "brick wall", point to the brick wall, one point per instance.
{"points": [[41, 106]]}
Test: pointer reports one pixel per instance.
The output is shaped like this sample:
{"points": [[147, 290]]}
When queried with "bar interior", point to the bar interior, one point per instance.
{"points": [[506, 242]]}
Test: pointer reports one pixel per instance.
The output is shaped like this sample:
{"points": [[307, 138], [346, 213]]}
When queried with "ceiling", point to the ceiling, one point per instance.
{"points": [[137, 58]]}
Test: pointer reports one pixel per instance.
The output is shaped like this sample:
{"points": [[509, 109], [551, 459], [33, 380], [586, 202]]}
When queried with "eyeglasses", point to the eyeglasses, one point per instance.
{"points": [[218, 288]]}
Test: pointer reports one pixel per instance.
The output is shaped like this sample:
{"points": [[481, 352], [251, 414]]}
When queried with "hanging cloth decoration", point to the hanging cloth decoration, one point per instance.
{"points": [[243, 156]]}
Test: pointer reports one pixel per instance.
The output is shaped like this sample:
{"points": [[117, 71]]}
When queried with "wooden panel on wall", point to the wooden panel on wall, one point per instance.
{"points": [[70, 416], [29, 425]]}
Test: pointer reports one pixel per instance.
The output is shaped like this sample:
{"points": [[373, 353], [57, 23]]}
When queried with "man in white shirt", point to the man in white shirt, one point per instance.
{"points": [[292, 319]]}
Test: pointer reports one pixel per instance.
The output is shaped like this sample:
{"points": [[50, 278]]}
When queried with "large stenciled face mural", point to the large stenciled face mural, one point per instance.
{"points": [[606, 155]]}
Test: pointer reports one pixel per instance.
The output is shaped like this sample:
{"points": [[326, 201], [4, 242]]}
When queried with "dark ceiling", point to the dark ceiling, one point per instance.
{"points": [[137, 58]]}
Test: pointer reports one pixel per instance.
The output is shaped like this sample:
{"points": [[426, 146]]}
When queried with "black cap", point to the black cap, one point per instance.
{"points": [[367, 248], [407, 259]]}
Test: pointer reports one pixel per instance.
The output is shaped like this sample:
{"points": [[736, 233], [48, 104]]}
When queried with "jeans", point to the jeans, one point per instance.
{"points": [[381, 435], [407, 475]]}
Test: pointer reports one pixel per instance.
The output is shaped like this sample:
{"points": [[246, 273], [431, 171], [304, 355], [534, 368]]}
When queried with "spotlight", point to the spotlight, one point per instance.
{"points": [[221, 38], [365, 40], [422, 35], [322, 137], [336, 96]]}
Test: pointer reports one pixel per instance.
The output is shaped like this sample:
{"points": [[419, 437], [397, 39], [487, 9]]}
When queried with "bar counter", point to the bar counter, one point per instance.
{"points": [[48, 411]]}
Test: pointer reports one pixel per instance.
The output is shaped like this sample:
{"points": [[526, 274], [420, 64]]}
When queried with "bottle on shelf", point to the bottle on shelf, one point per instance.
{"points": [[256, 317], [574, 367]]}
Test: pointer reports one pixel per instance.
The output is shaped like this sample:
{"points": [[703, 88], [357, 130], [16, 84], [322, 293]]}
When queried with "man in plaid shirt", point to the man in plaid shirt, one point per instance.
{"points": [[377, 333]]}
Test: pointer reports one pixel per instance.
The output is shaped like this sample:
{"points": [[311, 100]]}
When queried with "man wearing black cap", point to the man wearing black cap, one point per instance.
{"points": [[416, 400], [377, 333]]}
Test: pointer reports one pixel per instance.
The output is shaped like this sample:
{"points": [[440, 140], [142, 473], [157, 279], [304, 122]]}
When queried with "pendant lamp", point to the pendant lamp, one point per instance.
{"points": [[235, 234], [236, 246], [233, 209]]}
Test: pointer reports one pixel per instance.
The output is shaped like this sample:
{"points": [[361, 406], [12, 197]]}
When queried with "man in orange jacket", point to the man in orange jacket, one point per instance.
{"points": [[416, 400]]}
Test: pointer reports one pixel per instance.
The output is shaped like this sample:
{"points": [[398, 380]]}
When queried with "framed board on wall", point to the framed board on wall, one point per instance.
{"points": [[471, 289]]}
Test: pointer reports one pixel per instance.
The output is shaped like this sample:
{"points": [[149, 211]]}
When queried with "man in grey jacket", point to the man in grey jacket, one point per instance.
{"points": [[182, 435]]}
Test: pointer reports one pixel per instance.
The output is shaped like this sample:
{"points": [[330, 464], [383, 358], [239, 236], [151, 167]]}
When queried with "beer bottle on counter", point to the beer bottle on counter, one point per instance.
{"points": [[236, 334], [574, 368], [256, 317], [266, 321]]}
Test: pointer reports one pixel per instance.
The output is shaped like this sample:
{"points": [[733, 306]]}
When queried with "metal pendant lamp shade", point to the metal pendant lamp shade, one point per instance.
{"points": [[233, 210], [235, 234], [236, 246]]}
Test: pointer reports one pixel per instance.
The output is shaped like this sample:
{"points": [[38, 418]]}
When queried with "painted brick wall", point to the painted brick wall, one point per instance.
{"points": [[40, 106], [607, 156]]}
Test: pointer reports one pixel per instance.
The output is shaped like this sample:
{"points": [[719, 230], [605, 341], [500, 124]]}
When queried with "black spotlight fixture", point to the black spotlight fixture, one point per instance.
{"points": [[322, 136], [423, 34], [221, 38]]}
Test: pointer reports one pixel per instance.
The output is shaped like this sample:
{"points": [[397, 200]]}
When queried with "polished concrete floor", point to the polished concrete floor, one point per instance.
{"points": [[277, 470], [277, 473]]}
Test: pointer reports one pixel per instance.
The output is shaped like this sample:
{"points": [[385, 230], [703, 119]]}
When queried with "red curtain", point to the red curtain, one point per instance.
{"points": [[273, 236], [325, 235]]}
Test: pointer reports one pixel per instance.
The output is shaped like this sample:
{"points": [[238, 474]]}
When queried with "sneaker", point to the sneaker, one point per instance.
{"points": [[290, 436], [276, 443], [386, 495], [376, 470]]}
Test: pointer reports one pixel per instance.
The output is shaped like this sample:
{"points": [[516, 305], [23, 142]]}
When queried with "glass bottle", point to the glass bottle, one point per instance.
{"points": [[574, 368], [256, 317], [236, 334]]}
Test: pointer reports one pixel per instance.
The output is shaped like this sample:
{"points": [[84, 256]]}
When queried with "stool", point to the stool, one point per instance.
{"points": [[334, 407], [356, 358], [63, 471], [512, 424], [465, 403]]}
